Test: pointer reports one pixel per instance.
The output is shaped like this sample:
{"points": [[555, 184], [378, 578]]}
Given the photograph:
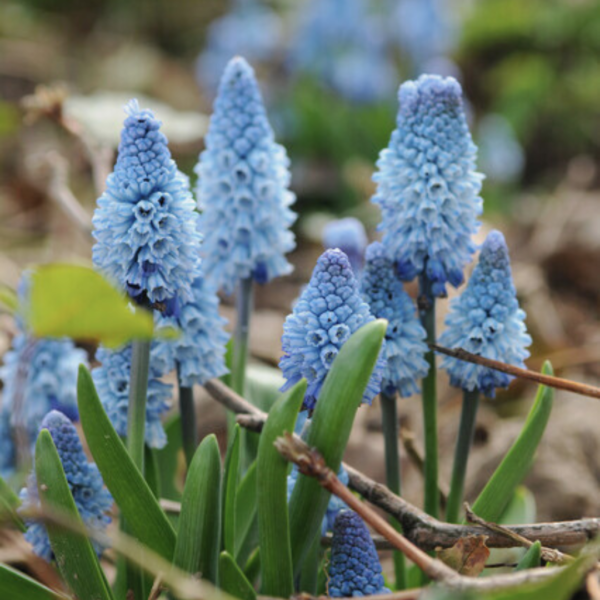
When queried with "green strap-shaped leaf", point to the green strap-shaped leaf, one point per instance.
{"points": [[332, 420], [15, 585], [8, 299], [232, 580], [9, 502], [271, 496], [75, 556], [231, 477], [532, 558], [498, 491], [252, 566], [198, 537], [167, 460], [246, 527], [145, 519]]}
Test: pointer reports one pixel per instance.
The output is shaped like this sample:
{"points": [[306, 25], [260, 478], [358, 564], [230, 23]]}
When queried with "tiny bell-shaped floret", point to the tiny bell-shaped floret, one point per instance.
{"points": [[145, 222], [486, 320], [350, 237], [328, 312], [112, 383], [243, 187], [93, 501], [405, 348], [427, 186], [354, 568]]}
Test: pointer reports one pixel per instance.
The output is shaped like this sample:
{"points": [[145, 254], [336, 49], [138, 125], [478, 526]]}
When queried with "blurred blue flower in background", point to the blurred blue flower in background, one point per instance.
{"points": [[486, 320], [243, 187], [427, 185], [350, 237], [112, 383], [329, 311], [93, 501], [7, 446], [145, 222], [405, 348]]}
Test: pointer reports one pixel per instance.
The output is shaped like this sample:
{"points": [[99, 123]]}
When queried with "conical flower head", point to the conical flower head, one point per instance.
{"points": [[93, 501], [200, 349], [427, 186], [405, 348], [112, 383], [328, 312], [145, 222], [486, 320], [243, 187], [354, 569], [350, 237]]}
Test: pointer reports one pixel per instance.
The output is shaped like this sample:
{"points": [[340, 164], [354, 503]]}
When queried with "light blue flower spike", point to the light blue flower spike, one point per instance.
{"points": [[427, 186], [145, 222], [93, 501], [243, 187], [350, 237], [405, 346], [486, 320]]}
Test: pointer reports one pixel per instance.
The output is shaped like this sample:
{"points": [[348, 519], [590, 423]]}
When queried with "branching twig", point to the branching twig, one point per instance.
{"points": [[556, 382]]}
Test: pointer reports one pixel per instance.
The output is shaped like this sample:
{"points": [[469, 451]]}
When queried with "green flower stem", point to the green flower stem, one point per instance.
{"points": [[244, 303], [429, 398], [138, 388], [189, 428], [461, 454], [389, 421]]}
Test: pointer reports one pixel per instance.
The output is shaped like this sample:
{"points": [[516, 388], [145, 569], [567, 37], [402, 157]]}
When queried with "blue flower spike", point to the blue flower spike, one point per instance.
{"points": [[92, 499], [405, 348], [112, 383], [350, 237], [243, 187], [145, 222], [427, 185], [328, 312], [354, 569], [486, 320]]}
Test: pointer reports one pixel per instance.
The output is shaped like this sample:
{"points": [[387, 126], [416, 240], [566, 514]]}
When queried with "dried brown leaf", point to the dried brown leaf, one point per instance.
{"points": [[468, 556]]}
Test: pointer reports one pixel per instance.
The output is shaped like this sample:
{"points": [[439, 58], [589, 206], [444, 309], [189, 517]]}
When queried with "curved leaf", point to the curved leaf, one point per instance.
{"points": [[17, 586], [232, 580], [532, 558]]}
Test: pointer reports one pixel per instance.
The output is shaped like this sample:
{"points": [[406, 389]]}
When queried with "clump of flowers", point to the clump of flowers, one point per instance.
{"points": [[93, 501], [427, 185], [243, 187], [354, 569], [328, 312], [405, 348], [486, 320], [112, 383], [145, 224], [350, 237]]}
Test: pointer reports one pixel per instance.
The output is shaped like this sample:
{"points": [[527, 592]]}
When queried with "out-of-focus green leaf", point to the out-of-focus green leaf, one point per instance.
{"points": [[532, 558], [271, 496], [231, 477], [332, 420], [9, 502], [17, 586], [167, 460], [75, 557], [262, 385], [232, 580], [252, 566], [246, 528], [198, 536], [8, 299], [518, 460], [145, 519], [76, 301]]}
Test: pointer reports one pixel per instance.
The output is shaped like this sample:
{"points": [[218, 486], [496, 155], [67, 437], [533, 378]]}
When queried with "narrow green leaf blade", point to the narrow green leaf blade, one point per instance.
{"points": [[271, 496], [167, 459], [8, 299], [231, 478], [498, 491], [75, 557], [9, 502], [17, 586], [76, 301], [232, 580], [246, 530], [532, 558], [198, 537], [330, 429], [145, 519]]}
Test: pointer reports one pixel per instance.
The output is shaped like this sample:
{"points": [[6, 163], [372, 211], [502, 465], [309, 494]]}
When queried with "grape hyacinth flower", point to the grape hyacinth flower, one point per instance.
{"points": [[93, 501], [486, 320], [405, 347], [427, 186], [243, 187], [354, 569], [145, 223], [350, 237], [328, 312], [7, 446], [112, 383]]}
